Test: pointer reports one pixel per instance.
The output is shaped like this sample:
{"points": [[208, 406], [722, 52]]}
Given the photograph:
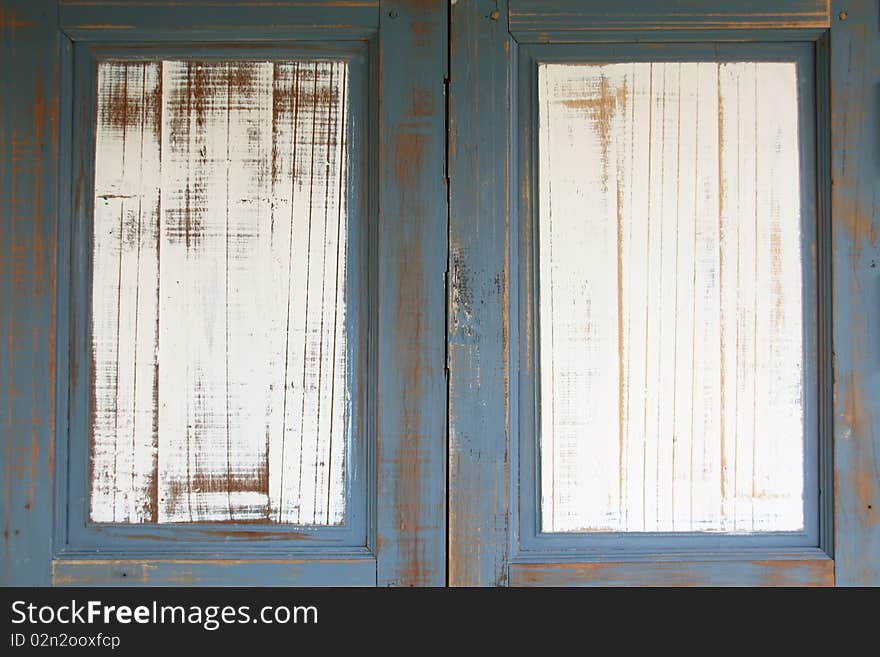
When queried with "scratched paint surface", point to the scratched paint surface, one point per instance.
{"points": [[218, 295], [671, 341]]}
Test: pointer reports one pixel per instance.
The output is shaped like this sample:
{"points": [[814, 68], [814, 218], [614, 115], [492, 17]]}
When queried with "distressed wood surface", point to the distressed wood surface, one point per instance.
{"points": [[806, 572], [478, 297], [218, 295], [210, 20], [530, 18], [30, 53], [411, 531], [670, 297], [855, 211], [209, 572]]}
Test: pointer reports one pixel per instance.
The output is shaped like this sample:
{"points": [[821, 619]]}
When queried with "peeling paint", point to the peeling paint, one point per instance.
{"points": [[635, 299], [220, 203]]}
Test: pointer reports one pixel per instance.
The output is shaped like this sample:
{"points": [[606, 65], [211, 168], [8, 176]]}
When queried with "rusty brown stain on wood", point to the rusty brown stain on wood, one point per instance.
{"points": [[408, 474], [232, 483], [39, 114], [102, 26], [245, 534], [422, 31], [789, 573], [52, 115], [856, 220], [40, 117], [421, 6], [770, 573], [409, 148], [9, 20], [601, 108], [422, 103], [123, 109], [138, 563], [274, 27]]}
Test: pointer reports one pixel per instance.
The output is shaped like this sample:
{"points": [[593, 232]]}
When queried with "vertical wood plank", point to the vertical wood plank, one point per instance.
{"points": [[478, 330], [412, 260], [193, 447], [707, 382], [247, 258], [124, 292], [855, 211], [29, 97]]}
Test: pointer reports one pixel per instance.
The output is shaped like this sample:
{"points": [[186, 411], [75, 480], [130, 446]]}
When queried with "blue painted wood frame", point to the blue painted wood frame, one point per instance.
{"points": [[30, 46], [411, 533], [403, 384], [75, 536], [484, 397], [531, 543], [855, 213]]}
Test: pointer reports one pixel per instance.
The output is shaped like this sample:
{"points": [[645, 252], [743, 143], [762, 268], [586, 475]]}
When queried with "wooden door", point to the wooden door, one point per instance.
{"points": [[223, 231], [661, 252]]}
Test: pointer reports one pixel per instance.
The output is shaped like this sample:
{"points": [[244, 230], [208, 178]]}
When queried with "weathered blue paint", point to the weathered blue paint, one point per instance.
{"points": [[758, 571], [855, 212], [658, 20], [29, 50], [824, 258], [212, 20], [190, 572], [478, 295], [75, 535], [525, 277], [411, 266]]}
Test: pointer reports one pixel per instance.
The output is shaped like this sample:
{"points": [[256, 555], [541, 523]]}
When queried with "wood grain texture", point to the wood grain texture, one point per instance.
{"points": [[536, 16], [671, 339], [855, 213], [30, 52], [218, 292], [478, 297], [411, 529], [209, 572], [806, 572]]}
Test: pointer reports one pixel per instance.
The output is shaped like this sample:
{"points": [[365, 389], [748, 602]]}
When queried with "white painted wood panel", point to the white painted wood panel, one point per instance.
{"points": [[218, 295], [670, 297]]}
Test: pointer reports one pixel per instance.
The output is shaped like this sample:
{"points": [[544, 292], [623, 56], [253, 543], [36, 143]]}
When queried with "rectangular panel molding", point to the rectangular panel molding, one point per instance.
{"points": [[767, 572], [535, 19], [210, 20]]}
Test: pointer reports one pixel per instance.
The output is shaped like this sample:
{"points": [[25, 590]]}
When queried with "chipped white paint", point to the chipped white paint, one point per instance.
{"points": [[219, 346], [670, 298]]}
